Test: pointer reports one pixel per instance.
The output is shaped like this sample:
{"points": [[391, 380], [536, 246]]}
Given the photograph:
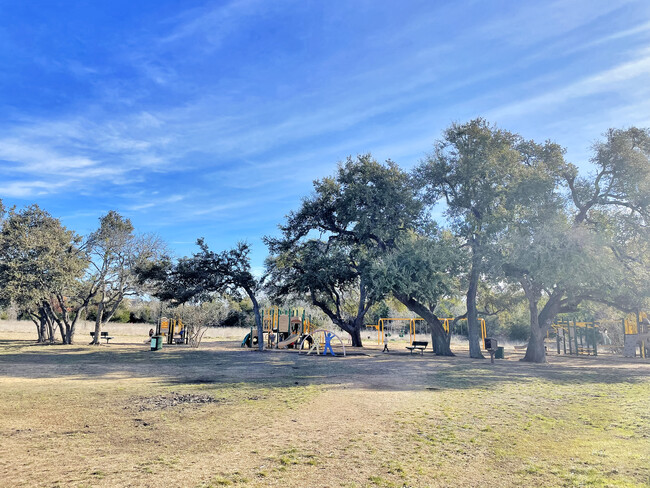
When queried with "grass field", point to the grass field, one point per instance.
{"points": [[121, 415]]}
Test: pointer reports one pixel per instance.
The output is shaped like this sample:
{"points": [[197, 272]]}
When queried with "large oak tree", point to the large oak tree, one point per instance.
{"points": [[588, 242], [330, 246]]}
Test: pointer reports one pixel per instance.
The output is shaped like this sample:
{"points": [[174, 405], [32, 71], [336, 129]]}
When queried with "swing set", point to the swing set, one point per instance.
{"points": [[447, 322]]}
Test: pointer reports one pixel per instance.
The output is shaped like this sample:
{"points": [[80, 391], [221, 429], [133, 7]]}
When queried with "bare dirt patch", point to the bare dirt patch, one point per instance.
{"points": [[173, 399]]}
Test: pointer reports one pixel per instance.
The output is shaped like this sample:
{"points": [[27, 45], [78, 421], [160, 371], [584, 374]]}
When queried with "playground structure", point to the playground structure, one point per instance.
{"points": [[320, 339], [447, 323], [576, 338], [173, 329], [636, 330], [288, 327]]}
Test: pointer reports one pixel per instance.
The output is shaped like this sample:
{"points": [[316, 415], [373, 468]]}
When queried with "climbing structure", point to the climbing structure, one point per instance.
{"points": [[285, 326], [636, 339]]}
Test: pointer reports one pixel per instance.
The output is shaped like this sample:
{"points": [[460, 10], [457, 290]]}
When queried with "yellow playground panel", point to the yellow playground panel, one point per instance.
{"points": [[446, 323], [269, 319], [171, 327], [631, 323], [636, 336]]}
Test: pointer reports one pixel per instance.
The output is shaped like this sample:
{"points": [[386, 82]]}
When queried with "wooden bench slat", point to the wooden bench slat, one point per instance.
{"points": [[419, 345]]}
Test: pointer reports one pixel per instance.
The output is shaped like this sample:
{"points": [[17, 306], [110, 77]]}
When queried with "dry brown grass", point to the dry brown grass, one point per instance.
{"points": [[109, 416], [128, 333]]}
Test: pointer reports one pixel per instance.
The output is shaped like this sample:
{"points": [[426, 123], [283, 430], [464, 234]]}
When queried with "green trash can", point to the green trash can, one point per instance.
{"points": [[499, 353], [156, 342]]}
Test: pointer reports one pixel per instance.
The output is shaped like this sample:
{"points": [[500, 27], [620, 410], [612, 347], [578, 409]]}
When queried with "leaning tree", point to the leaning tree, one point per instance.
{"points": [[333, 276], [330, 246], [421, 271], [203, 275]]}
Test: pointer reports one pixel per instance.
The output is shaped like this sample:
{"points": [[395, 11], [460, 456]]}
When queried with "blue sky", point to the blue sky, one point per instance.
{"points": [[211, 119]]}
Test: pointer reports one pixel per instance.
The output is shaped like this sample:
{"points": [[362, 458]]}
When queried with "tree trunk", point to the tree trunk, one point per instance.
{"points": [[439, 338], [472, 312], [70, 327], [38, 322], [539, 325], [55, 320], [352, 327], [50, 329], [441, 344], [98, 322], [535, 352], [69, 335], [118, 299], [62, 332], [42, 334], [355, 334]]}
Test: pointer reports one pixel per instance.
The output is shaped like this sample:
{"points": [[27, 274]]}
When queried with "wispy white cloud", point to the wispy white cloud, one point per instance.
{"points": [[35, 159], [221, 208], [643, 28], [23, 189], [154, 201], [212, 23], [527, 23], [608, 80], [83, 151], [249, 150]]}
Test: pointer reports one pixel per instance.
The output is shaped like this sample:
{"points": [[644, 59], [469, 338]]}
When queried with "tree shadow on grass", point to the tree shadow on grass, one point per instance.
{"points": [[175, 366]]}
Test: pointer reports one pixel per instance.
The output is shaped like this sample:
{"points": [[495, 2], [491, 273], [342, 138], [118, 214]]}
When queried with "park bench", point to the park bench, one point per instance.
{"points": [[104, 335], [418, 345]]}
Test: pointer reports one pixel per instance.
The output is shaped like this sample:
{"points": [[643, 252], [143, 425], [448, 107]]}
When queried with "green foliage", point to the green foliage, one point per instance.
{"points": [[38, 256], [589, 246], [378, 311], [237, 318], [330, 248], [365, 202], [122, 314], [622, 178], [198, 279], [422, 267], [528, 238], [483, 174], [204, 273]]}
